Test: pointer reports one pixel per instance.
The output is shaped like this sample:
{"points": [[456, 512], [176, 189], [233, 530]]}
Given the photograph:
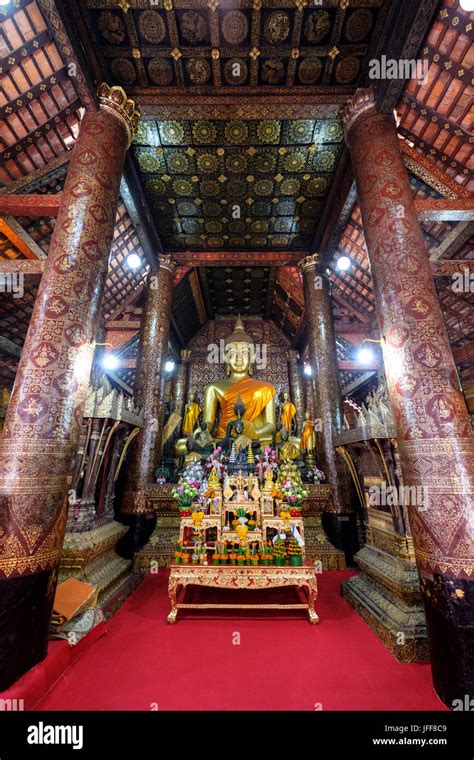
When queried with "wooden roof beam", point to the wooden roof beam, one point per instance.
{"points": [[346, 365], [20, 238], [9, 348], [238, 258], [464, 354], [22, 266], [442, 210], [448, 267], [30, 205], [454, 241]]}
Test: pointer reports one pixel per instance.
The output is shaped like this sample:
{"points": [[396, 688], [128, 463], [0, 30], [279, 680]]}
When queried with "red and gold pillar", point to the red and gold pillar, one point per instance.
{"points": [[145, 450], [43, 421], [297, 390], [435, 441], [323, 358], [181, 382]]}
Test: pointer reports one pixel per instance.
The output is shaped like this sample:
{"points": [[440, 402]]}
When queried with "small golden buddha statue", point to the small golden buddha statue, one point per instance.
{"points": [[288, 471], [191, 415], [308, 438], [288, 411]]}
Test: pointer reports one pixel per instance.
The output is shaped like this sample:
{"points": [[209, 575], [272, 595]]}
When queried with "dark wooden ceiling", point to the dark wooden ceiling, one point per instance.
{"points": [[254, 184], [232, 45]]}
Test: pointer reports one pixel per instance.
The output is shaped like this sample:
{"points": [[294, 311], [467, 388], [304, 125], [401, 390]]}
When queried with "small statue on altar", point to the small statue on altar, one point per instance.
{"points": [[308, 438], [191, 415], [287, 414], [288, 469], [203, 437], [286, 449]]}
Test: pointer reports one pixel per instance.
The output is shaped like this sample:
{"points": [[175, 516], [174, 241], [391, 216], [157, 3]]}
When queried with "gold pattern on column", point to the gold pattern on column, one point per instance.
{"points": [[114, 100]]}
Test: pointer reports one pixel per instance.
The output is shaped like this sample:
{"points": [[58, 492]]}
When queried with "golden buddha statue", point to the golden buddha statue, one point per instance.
{"points": [[257, 396], [288, 411], [308, 438], [191, 415]]}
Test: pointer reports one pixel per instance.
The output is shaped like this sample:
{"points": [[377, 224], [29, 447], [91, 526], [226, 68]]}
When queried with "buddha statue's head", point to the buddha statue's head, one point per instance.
{"points": [[239, 351]]}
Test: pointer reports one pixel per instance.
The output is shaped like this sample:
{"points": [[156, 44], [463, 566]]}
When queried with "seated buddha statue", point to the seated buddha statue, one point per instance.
{"points": [[257, 396]]}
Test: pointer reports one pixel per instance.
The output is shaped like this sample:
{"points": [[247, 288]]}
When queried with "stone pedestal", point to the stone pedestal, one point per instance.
{"points": [[386, 594]]}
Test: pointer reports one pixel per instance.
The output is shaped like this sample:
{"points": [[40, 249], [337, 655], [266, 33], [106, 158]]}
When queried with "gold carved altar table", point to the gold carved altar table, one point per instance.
{"points": [[250, 578]]}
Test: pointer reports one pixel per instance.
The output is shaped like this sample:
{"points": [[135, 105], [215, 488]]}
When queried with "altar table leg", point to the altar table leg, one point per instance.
{"points": [[313, 618], [172, 593]]}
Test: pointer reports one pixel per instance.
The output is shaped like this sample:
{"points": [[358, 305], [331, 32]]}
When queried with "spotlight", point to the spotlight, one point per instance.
{"points": [[365, 356], [169, 366], [343, 263], [467, 5], [5, 2], [110, 362], [307, 370], [134, 261]]}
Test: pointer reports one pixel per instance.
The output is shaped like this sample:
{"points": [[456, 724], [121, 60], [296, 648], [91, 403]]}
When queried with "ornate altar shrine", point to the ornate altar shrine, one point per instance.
{"points": [[240, 426], [241, 535]]}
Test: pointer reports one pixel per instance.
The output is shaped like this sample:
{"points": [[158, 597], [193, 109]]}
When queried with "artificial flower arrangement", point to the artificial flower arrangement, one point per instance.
{"points": [[217, 460], [295, 552], [293, 493], [316, 475], [279, 552], [265, 461], [186, 493], [252, 523], [241, 526], [181, 554]]}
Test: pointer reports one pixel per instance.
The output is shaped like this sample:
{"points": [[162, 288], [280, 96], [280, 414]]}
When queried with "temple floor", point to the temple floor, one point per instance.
{"points": [[280, 664]]}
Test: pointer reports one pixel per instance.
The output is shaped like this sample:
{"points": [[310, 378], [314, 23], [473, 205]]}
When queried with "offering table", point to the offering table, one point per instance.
{"points": [[258, 577]]}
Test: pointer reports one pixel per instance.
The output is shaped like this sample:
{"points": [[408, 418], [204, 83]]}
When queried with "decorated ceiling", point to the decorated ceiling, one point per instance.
{"points": [[202, 43], [254, 184]]}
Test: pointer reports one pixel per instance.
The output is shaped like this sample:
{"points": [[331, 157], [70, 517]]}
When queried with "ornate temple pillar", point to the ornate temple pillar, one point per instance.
{"points": [[297, 390], [145, 451], [42, 425], [323, 357], [180, 385], [435, 441]]}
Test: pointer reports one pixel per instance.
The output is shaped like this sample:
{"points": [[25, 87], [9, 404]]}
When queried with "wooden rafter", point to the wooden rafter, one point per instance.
{"points": [[439, 210], [22, 241], [30, 205]]}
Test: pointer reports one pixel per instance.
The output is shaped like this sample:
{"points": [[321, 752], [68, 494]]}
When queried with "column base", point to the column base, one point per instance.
{"points": [[26, 605], [449, 608], [140, 529]]}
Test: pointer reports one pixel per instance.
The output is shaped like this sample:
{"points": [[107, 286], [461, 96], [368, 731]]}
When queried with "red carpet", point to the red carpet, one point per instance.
{"points": [[35, 684], [280, 664]]}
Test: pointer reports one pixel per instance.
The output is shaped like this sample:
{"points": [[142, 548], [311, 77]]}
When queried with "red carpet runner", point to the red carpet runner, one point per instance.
{"points": [[282, 663]]}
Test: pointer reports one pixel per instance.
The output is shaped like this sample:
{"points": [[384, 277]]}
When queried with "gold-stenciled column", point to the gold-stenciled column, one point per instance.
{"points": [[323, 357], [145, 451], [42, 425], [434, 435], [297, 390]]}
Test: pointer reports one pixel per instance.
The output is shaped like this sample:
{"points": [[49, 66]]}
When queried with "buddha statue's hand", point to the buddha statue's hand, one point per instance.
{"points": [[251, 432]]}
